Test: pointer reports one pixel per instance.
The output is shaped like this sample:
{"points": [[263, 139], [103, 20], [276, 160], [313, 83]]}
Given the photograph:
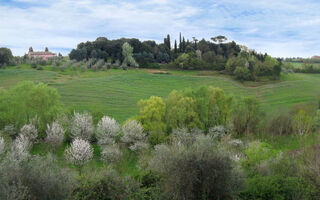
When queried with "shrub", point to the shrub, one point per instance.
{"points": [[79, 153], [196, 171], [107, 131], [38, 178], [30, 131], [217, 132], [242, 74], [55, 135], [21, 145], [316, 121], [10, 130], [302, 123], [107, 185], [134, 136], [81, 126], [110, 154]]}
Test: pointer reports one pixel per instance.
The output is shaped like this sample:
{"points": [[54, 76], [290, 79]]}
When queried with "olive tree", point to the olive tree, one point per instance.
{"points": [[82, 126], [196, 170], [107, 131], [79, 153]]}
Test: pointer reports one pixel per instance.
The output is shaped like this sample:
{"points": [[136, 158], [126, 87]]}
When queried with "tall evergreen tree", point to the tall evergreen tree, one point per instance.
{"points": [[180, 43], [168, 42], [175, 47], [183, 45]]}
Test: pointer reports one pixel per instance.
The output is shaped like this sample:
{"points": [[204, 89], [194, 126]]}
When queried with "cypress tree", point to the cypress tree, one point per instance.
{"points": [[175, 47], [180, 43], [168, 42], [183, 45]]}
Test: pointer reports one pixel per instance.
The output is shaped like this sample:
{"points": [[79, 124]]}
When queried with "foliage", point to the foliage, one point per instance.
{"points": [[281, 124], [107, 131], [242, 73], [127, 51], [27, 100], [152, 113], [302, 123], [316, 121], [195, 171], [2, 145], [111, 154], [55, 135], [82, 126], [37, 178], [79, 153], [246, 115], [134, 136], [29, 131], [5, 56], [107, 185]]}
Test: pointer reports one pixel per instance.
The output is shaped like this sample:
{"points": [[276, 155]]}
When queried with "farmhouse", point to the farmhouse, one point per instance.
{"points": [[40, 54]]}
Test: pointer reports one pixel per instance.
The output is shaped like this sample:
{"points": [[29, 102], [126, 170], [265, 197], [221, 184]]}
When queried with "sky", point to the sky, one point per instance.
{"points": [[281, 28]]}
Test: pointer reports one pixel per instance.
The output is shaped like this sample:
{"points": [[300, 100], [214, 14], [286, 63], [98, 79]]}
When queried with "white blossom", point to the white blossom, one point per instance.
{"points": [[82, 126], [111, 153], [79, 153], [107, 130], [2, 145], [55, 134], [30, 131], [133, 135], [21, 146]]}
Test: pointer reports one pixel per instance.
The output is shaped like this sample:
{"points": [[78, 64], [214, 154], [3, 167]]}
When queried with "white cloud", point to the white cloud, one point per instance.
{"points": [[281, 28]]}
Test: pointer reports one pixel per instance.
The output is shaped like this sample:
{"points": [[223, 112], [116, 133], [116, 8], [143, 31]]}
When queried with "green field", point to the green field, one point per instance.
{"points": [[116, 92]]}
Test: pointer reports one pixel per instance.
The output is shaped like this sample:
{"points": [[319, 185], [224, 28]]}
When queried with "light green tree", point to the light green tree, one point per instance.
{"points": [[127, 52]]}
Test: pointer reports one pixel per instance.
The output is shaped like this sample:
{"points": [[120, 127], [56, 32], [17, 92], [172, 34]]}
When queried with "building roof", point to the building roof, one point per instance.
{"points": [[41, 53]]}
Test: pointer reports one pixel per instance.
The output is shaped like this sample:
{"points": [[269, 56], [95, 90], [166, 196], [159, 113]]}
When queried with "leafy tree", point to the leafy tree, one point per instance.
{"points": [[152, 113], [242, 74], [26, 101], [246, 115], [81, 126], [127, 53], [5, 56], [107, 131], [302, 123]]}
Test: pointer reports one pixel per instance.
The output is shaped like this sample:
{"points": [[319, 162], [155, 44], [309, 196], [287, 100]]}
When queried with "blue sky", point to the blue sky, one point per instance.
{"points": [[281, 28]]}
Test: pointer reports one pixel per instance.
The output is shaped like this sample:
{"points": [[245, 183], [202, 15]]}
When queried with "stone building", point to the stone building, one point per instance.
{"points": [[41, 54]]}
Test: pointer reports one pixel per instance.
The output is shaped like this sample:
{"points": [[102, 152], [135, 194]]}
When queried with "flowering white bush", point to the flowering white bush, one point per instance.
{"points": [[22, 145], [133, 135], [110, 154], [30, 131], [81, 126], [107, 130], [2, 145], [55, 134], [79, 153]]}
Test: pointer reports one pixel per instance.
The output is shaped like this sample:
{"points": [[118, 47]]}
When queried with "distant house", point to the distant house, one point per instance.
{"points": [[315, 58], [41, 54]]}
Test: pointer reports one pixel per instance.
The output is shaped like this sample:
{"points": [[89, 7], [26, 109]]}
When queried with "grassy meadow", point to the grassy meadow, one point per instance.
{"points": [[116, 92]]}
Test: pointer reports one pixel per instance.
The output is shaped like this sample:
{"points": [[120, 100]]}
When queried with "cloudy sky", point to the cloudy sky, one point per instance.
{"points": [[282, 28]]}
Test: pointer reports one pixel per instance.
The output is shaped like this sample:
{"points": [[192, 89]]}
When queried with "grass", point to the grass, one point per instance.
{"points": [[116, 92]]}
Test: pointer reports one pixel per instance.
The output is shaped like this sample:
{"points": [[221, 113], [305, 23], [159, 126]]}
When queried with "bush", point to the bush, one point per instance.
{"points": [[107, 185], [242, 74], [196, 171], [30, 131], [111, 154], [37, 178], [81, 126], [134, 136]]}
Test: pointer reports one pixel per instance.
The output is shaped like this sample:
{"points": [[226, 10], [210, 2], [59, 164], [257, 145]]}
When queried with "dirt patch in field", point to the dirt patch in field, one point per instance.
{"points": [[154, 71]]}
